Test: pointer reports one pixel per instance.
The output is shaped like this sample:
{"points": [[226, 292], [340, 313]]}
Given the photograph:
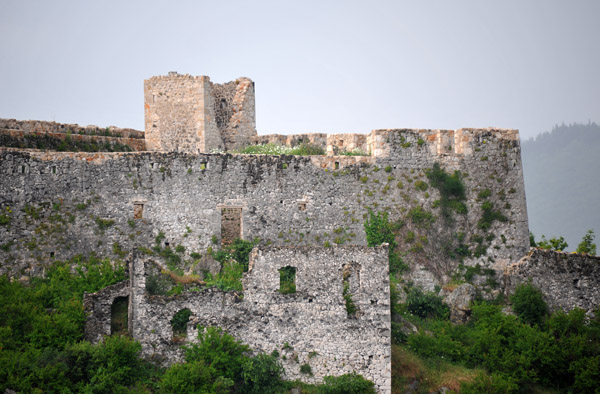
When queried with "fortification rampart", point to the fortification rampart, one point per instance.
{"points": [[281, 200], [311, 325], [29, 134]]}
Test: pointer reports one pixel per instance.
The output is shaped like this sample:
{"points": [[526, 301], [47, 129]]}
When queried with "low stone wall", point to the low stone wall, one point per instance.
{"points": [[40, 126], [567, 280], [49, 140]]}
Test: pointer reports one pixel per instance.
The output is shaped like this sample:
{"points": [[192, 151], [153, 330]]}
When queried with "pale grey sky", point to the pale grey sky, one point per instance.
{"points": [[319, 66]]}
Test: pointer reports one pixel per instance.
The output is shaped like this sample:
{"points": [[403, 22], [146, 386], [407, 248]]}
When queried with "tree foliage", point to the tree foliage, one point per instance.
{"points": [[380, 230], [587, 244], [554, 243], [528, 303]]}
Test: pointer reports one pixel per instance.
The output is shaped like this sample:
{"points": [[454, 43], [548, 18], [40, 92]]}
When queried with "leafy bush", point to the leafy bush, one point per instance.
{"points": [[426, 305], [490, 384], [451, 188], [489, 215], [528, 303], [379, 230], [553, 243], [346, 384], [421, 217], [587, 244]]}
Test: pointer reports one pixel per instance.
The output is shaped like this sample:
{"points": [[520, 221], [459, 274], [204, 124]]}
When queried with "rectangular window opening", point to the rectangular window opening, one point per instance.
{"points": [[231, 225], [287, 280], [337, 165], [138, 210]]}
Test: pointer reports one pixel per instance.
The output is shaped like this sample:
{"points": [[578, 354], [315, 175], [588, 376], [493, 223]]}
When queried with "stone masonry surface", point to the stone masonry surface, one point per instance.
{"points": [[55, 205], [310, 326], [567, 280], [284, 200]]}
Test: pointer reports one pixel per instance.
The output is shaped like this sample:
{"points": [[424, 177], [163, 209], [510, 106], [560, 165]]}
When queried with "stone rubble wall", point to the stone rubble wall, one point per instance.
{"points": [[310, 326], [98, 306], [567, 280], [31, 134], [51, 140], [39, 126], [285, 200]]}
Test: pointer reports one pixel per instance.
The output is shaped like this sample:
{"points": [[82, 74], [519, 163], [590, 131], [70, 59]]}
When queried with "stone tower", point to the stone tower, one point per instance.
{"points": [[184, 113]]}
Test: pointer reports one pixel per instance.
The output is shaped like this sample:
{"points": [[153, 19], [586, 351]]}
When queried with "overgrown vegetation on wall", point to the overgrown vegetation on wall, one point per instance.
{"points": [[41, 347], [66, 144], [303, 149]]}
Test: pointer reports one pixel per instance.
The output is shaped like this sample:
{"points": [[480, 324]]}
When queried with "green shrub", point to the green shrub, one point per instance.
{"points": [[261, 374], [306, 369], [489, 215], [490, 384], [103, 224], [420, 217], [219, 350], [451, 188], [552, 243], [346, 384], [380, 230], [528, 303], [587, 244], [426, 305], [193, 377], [420, 185], [485, 193]]}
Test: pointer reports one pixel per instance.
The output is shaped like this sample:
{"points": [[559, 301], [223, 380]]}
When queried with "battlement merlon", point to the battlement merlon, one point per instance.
{"points": [[403, 142], [191, 114]]}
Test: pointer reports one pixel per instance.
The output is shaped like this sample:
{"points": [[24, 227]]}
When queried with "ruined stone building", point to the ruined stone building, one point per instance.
{"points": [[304, 212]]}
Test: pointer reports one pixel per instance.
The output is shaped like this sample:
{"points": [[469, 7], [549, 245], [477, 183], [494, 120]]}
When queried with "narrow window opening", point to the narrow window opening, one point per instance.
{"points": [[167, 244], [203, 166], [119, 316], [337, 165], [231, 225], [54, 169], [287, 280], [51, 254], [22, 169], [179, 324]]}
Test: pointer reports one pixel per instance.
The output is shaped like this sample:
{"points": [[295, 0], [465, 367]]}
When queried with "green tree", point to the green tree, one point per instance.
{"points": [[587, 244], [558, 244]]}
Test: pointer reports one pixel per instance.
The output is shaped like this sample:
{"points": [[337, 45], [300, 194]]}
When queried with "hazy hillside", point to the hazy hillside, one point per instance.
{"points": [[561, 170]]}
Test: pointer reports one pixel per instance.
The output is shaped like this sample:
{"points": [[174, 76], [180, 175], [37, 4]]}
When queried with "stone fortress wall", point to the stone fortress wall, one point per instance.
{"points": [[311, 326], [282, 200], [56, 205], [32, 133]]}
